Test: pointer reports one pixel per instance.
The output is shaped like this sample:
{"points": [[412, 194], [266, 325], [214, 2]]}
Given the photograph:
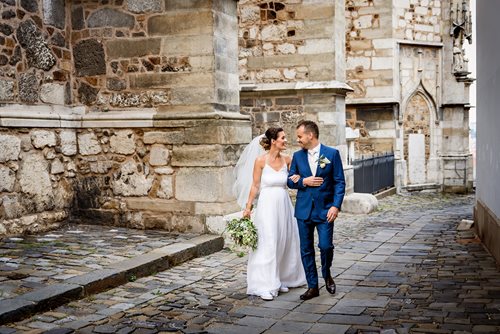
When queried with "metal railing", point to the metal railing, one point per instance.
{"points": [[374, 174]]}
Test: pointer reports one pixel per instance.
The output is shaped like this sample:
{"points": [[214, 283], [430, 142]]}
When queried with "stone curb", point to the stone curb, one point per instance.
{"points": [[52, 296]]}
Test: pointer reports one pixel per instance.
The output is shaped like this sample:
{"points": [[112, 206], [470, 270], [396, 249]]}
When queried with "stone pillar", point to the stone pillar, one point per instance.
{"points": [[457, 172]]}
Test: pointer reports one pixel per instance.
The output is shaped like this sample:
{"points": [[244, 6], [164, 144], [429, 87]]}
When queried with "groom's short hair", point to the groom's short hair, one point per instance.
{"points": [[309, 126]]}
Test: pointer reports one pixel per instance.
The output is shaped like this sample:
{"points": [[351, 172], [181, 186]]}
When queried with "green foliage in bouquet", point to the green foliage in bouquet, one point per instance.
{"points": [[243, 232]]}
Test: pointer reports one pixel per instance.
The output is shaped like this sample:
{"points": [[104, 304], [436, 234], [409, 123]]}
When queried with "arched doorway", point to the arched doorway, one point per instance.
{"points": [[417, 137]]}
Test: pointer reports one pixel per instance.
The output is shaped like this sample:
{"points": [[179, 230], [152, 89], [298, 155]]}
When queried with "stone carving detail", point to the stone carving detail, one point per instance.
{"points": [[461, 30]]}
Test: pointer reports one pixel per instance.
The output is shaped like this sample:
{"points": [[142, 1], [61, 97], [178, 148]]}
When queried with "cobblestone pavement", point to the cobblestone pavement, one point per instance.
{"points": [[33, 262], [402, 269]]}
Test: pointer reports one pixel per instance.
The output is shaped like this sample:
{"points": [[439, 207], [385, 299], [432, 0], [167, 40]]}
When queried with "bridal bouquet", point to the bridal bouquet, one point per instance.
{"points": [[243, 232]]}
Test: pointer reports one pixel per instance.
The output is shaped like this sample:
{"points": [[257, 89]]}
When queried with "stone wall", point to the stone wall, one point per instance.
{"points": [[286, 41], [288, 66], [35, 58], [168, 178], [115, 55], [118, 112], [376, 127], [401, 55], [373, 29]]}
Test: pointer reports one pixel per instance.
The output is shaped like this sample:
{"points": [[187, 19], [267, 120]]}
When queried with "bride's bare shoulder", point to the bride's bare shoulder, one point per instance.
{"points": [[261, 159]]}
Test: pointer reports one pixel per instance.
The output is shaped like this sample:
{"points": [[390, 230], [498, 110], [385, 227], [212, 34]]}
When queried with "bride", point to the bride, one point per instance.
{"points": [[276, 263]]}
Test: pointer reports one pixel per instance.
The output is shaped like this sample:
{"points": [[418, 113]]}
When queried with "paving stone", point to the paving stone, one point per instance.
{"points": [[302, 317], [59, 331], [328, 329], [258, 322], [346, 319]]}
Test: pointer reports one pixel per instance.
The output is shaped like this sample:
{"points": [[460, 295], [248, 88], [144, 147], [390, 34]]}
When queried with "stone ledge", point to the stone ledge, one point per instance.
{"points": [[334, 85], [14, 115], [423, 187], [23, 306]]}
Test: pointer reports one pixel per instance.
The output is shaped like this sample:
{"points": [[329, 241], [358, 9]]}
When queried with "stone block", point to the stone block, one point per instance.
{"points": [[216, 209], [257, 62], [190, 95], [12, 206], [359, 203], [382, 63], [182, 23], [204, 184], [166, 187], [98, 280], [36, 49], [159, 205], [29, 5], [129, 182], [109, 17], [54, 13], [166, 80], [383, 91], [199, 45], [56, 167], [43, 138], [203, 155], [13, 309], [164, 137], [121, 48], [52, 93], [316, 46], [53, 295], [28, 87], [34, 180], [173, 5], [144, 6], [10, 148], [6, 90], [68, 142], [7, 179], [88, 144], [219, 134], [123, 142], [314, 11], [383, 43], [187, 224], [89, 58], [159, 155]]}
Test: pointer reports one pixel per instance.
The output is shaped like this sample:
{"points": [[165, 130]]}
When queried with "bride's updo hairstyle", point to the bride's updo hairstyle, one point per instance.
{"points": [[271, 133]]}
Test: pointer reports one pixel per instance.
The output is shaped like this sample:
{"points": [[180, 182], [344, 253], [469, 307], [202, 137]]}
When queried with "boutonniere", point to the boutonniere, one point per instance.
{"points": [[323, 161]]}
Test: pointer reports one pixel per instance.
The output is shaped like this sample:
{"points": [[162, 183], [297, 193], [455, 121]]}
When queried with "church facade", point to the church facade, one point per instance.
{"points": [[406, 64]]}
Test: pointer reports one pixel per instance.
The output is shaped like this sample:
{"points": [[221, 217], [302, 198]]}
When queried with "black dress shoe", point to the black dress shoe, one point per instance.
{"points": [[330, 285], [310, 293]]}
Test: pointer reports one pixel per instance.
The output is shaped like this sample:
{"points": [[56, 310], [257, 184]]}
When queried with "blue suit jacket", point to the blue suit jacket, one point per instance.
{"points": [[330, 193]]}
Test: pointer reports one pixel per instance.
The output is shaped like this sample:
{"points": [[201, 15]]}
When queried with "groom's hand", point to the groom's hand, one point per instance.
{"points": [[313, 181], [332, 214]]}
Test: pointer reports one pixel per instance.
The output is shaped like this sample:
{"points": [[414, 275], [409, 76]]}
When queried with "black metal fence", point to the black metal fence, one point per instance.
{"points": [[374, 174]]}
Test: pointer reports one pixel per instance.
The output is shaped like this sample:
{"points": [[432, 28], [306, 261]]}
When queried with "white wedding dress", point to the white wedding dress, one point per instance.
{"points": [[276, 262]]}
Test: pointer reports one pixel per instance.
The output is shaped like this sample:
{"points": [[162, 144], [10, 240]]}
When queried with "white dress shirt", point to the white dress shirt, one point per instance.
{"points": [[312, 157]]}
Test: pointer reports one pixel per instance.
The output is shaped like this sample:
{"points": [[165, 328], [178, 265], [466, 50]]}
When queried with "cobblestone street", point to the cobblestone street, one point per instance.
{"points": [[403, 269]]}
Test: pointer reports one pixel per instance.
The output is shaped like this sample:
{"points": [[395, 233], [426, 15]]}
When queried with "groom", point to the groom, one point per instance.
{"points": [[321, 189]]}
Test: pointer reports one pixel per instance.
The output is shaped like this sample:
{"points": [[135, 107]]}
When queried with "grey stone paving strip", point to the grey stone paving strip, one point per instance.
{"points": [[157, 260]]}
